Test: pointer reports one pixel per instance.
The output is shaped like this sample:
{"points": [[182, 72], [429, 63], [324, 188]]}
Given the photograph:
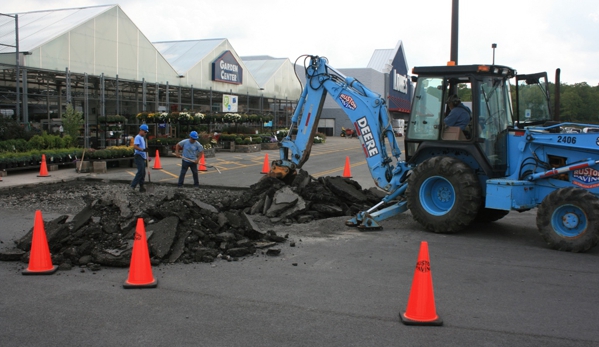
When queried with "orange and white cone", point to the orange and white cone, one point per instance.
{"points": [[43, 168], [265, 165], [140, 269], [202, 164], [421, 304], [157, 165], [40, 262], [346, 169]]}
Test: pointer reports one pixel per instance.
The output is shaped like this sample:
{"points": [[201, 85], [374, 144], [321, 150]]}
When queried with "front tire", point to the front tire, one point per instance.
{"points": [[568, 219], [444, 194]]}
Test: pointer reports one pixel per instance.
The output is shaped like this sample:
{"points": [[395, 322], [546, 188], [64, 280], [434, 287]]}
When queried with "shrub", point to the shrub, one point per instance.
{"points": [[37, 142], [240, 129], [238, 140], [15, 145], [228, 137], [71, 121], [58, 142], [11, 129], [68, 141]]}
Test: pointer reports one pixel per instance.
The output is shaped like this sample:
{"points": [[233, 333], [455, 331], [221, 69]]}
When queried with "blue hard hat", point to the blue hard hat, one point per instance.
{"points": [[143, 127], [193, 135]]}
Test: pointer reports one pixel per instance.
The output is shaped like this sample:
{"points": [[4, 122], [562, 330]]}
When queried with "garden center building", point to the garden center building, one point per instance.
{"points": [[96, 59]]}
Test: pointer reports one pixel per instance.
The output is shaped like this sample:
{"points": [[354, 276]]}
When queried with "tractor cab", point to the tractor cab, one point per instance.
{"points": [[485, 92]]}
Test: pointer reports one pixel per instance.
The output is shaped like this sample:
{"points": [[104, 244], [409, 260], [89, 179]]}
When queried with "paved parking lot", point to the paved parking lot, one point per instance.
{"points": [[494, 284]]}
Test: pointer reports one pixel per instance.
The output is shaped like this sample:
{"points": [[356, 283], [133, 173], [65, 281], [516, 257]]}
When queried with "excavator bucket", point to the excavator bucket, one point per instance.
{"points": [[278, 171], [282, 172]]}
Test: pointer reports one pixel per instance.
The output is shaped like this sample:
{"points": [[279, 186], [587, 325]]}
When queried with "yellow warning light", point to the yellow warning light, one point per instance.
{"points": [[451, 63], [483, 68]]}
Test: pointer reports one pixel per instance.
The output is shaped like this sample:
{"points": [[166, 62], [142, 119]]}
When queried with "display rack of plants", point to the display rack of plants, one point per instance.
{"points": [[163, 145], [226, 142], [248, 143], [33, 159], [116, 152]]}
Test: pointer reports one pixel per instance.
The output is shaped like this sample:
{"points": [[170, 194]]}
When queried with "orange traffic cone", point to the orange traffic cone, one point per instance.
{"points": [[140, 269], [202, 165], [421, 304], [40, 262], [346, 170], [43, 168], [157, 165], [265, 166]]}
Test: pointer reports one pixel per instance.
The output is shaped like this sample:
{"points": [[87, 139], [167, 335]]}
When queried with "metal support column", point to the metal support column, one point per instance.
{"points": [[143, 95], [25, 99], [118, 100], [86, 112], [68, 85], [168, 100], [157, 96], [179, 100], [103, 108]]}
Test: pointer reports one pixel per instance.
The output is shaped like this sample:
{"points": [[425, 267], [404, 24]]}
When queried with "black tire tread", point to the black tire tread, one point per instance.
{"points": [[466, 185], [581, 198]]}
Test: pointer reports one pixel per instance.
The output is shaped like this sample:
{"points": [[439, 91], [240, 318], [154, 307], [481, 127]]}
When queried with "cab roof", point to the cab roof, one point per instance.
{"points": [[461, 70]]}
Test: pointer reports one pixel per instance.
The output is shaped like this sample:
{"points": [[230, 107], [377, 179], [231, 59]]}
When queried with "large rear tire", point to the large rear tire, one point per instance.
{"points": [[444, 194], [568, 219]]}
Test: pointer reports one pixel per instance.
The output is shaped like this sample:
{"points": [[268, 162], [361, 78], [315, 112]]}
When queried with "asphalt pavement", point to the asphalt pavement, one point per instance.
{"points": [[494, 284], [235, 169]]}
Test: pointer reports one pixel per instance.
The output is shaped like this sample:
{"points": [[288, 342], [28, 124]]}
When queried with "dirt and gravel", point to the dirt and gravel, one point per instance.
{"points": [[97, 219]]}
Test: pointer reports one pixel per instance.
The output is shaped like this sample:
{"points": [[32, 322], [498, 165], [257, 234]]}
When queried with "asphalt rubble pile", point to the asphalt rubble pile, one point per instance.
{"points": [[183, 228]]}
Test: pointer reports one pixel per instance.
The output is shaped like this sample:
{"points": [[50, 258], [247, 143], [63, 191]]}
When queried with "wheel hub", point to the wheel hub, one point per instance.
{"points": [[444, 194], [570, 220]]}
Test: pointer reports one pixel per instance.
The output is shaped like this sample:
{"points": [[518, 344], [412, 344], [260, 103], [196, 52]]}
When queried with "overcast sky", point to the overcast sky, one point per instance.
{"points": [[531, 35]]}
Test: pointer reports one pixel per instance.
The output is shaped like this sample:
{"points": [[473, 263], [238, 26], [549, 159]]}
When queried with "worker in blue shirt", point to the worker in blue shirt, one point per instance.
{"points": [[191, 151], [459, 114], [139, 144]]}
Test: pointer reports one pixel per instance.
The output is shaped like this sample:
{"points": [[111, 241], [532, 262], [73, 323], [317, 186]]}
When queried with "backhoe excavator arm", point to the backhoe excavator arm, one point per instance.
{"points": [[368, 112]]}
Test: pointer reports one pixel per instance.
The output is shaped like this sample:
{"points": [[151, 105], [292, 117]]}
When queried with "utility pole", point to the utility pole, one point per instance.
{"points": [[455, 19]]}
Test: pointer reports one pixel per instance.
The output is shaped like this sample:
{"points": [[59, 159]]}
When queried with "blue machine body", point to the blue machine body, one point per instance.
{"points": [[507, 158]]}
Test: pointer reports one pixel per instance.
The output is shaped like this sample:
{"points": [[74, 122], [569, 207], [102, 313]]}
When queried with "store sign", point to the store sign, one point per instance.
{"points": [[400, 83], [230, 103], [227, 69]]}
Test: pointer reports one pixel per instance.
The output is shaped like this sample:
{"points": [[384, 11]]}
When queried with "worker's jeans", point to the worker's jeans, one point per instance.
{"points": [[194, 172], [140, 176]]}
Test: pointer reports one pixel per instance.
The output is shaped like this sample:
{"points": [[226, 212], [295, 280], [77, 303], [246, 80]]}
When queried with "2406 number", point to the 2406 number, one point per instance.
{"points": [[566, 139]]}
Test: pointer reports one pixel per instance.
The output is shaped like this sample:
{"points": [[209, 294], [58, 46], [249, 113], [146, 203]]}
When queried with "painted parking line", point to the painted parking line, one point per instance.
{"points": [[337, 169]]}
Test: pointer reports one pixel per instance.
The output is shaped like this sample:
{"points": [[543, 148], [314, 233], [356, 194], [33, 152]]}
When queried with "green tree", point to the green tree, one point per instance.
{"points": [[72, 121], [579, 102], [571, 105]]}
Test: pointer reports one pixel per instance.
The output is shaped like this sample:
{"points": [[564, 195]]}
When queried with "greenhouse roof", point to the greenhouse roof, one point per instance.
{"points": [[380, 59], [183, 55], [263, 67], [39, 27]]}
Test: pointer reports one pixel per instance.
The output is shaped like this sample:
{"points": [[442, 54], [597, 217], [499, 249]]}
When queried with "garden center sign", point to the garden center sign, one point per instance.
{"points": [[227, 69]]}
